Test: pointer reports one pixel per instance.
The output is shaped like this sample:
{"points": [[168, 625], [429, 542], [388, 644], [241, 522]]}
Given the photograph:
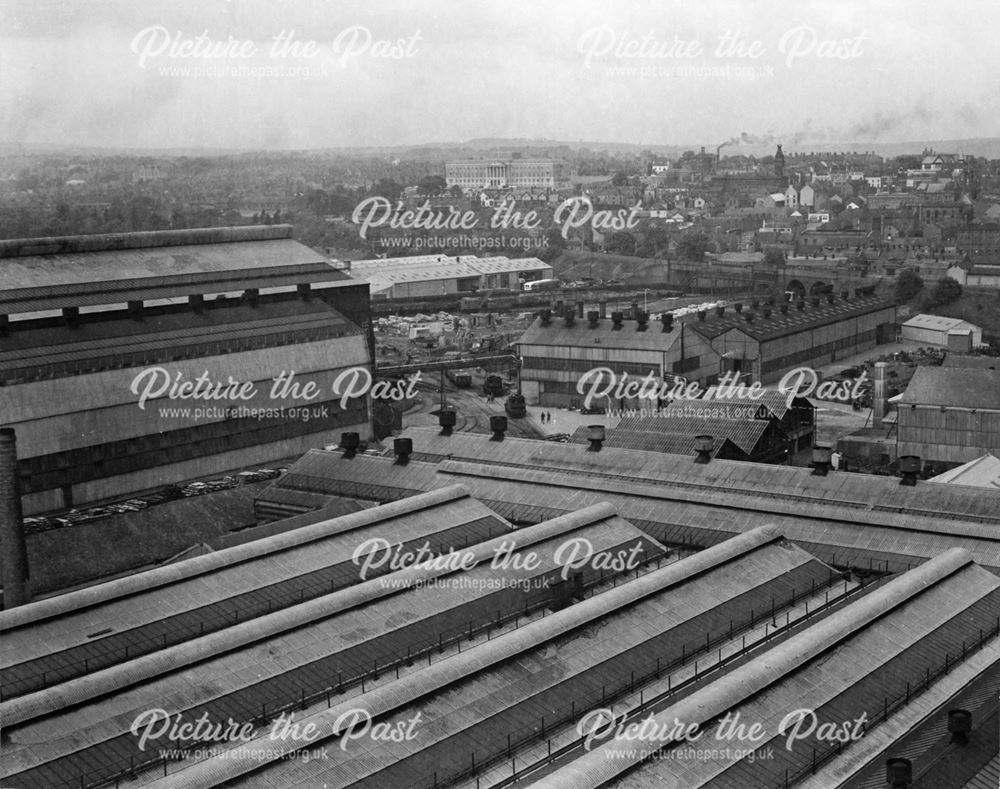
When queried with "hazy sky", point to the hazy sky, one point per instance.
{"points": [[189, 73]]}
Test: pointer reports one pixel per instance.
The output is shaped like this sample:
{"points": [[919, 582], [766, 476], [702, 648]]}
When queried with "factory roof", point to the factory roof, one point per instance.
{"points": [[675, 499], [50, 273], [938, 322], [983, 472], [858, 492], [272, 661], [570, 656], [873, 658], [744, 433], [511, 708], [795, 321], [945, 387], [113, 340], [384, 273], [774, 403], [650, 440], [604, 335], [100, 626], [483, 695], [965, 360]]}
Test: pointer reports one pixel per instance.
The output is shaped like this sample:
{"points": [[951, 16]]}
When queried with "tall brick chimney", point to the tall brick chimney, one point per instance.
{"points": [[13, 550]]}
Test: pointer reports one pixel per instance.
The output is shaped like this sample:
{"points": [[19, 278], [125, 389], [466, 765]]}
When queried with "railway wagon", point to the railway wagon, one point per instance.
{"points": [[516, 407], [461, 378]]}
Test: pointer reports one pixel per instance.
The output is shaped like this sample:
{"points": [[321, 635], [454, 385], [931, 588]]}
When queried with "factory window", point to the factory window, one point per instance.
{"points": [[121, 457]]}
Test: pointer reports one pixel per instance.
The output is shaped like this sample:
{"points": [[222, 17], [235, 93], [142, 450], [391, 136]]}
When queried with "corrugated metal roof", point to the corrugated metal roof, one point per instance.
{"points": [[968, 388], [476, 714], [840, 667], [231, 585], [114, 265], [982, 472], [936, 322], [604, 335], [31, 300], [988, 777], [111, 338], [845, 519], [648, 440], [560, 627], [384, 273], [744, 433], [270, 660], [794, 321], [872, 498]]}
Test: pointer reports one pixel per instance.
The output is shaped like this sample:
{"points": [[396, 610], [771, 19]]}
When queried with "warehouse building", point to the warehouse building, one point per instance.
{"points": [[983, 472], [761, 343], [328, 629], [562, 345], [438, 275], [949, 416], [951, 333], [90, 323], [754, 628], [764, 430], [753, 591], [847, 520], [759, 440], [886, 671], [767, 342]]}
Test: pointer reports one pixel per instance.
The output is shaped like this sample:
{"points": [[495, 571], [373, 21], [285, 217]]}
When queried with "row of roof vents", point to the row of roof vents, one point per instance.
{"points": [[822, 454], [594, 317], [899, 772], [768, 307]]}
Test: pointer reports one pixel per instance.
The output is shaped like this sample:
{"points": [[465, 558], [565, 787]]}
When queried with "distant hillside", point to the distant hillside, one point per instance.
{"points": [[988, 147]]}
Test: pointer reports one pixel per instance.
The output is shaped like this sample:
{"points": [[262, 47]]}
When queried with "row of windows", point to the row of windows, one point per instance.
{"points": [[817, 351], [122, 457], [583, 365], [176, 353]]}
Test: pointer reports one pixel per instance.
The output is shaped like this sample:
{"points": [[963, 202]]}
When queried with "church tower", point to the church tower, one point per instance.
{"points": [[779, 163]]}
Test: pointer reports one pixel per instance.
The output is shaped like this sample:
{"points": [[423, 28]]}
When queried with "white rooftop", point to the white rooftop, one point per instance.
{"points": [[983, 472], [938, 322]]}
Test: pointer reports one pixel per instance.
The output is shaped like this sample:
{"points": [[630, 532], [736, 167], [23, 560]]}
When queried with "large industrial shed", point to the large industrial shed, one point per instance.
{"points": [[82, 317], [847, 520], [557, 350], [498, 663], [767, 342], [760, 440], [436, 275], [78, 730], [952, 333], [949, 416], [754, 627]]}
